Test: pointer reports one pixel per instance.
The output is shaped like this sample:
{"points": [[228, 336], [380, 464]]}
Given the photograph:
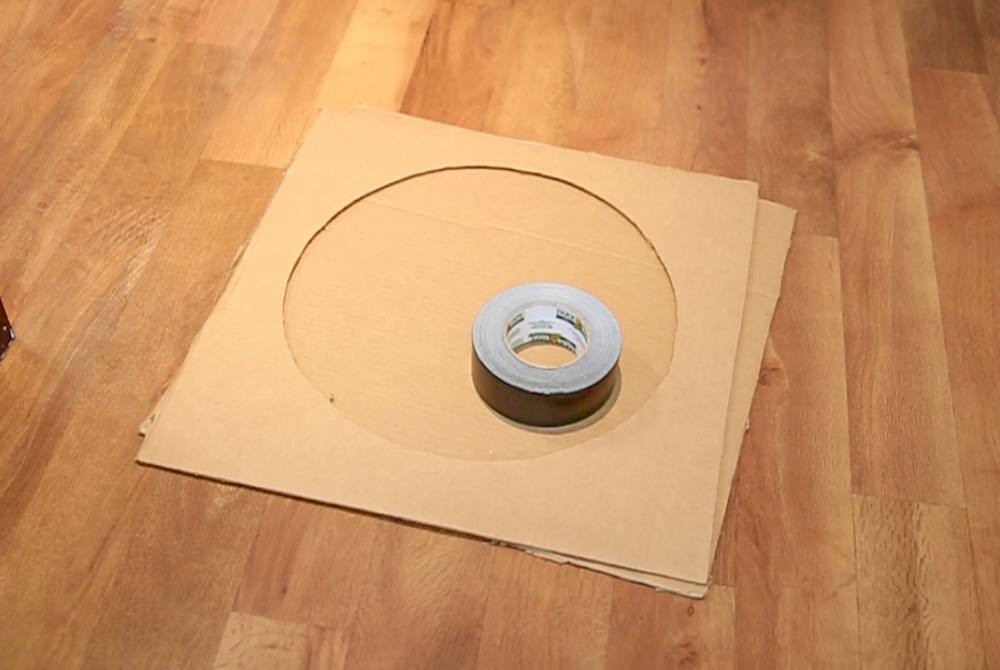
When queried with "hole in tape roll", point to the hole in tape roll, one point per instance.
{"points": [[546, 335]]}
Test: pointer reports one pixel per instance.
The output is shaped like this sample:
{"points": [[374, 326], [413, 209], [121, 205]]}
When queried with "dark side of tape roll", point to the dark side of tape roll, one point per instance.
{"points": [[537, 409]]}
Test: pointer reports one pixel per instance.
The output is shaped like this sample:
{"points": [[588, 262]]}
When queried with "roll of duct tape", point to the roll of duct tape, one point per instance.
{"points": [[532, 314]]}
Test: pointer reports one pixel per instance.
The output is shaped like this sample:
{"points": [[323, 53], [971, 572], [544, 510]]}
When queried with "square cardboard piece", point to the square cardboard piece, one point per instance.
{"points": [[335, 367]]}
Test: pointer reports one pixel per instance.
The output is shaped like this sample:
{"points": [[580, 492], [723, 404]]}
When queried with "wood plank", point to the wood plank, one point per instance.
{"points": [[113, 234], [790, 150], [377, 54], [943, 34], [916, 586], [67, 462], [176, 572], [257, 643], [236, 24], [276, 98], [988, 21], [796, 603], [314, 564], [183, 588], [620, 101], [309, 563], [12, 15], [678, 100], [168, 20], [487, 3], [903, 438], [52, 177], [53, 42], [658, 630], [704, 104], [454, 77], [426, 593], [535, 94], [960, 151], [544, 614]]}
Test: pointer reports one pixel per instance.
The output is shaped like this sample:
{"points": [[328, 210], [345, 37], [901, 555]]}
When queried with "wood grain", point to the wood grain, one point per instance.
{"points": [[427, 591], [536, 91], [988, 21], [622, 85], [367, 576], [192, 514], [98, 261], [377, 54], [257, 643], [52, 42], [960, 151], [943, 34], [705, 98], [281, 84], [231, 23], [545, 614], [657, 630], [108, 546], [916, 589], [790, 150], [796, 603], [12, 15], [902, 427], [454, 76], [309, 563], [877, 118], [50, 180]]}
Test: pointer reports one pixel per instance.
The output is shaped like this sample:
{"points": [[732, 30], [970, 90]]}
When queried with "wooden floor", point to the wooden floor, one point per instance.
{"points": [[139, 145]]}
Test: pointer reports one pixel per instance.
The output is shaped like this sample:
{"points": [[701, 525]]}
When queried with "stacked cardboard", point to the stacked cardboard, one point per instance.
{"points": [[336, 365]]}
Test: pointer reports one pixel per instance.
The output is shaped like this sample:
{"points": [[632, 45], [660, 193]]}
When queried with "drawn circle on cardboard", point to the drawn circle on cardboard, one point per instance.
{"points": [[379, 309]]}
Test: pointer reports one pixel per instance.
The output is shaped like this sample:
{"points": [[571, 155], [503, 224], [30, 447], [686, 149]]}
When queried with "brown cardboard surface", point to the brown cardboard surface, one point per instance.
{"points": [[640, 493], [771, 241]]}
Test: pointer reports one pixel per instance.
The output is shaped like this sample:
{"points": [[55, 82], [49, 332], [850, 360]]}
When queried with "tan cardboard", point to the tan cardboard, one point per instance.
{"points": [[640, 492]]}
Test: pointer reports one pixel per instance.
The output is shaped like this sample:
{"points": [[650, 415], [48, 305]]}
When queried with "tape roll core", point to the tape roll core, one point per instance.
{"points": [[550, 313]]}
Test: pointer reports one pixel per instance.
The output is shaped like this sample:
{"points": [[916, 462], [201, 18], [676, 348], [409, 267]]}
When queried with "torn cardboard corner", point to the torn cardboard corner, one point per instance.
{"points": [[336, 365]]}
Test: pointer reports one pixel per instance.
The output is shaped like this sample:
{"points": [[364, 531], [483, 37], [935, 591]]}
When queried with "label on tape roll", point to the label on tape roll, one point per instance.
{"points": [[545, 313]]}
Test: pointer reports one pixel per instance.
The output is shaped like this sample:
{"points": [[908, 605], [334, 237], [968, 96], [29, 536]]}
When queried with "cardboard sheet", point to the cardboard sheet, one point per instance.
{"points": [[268, 397]]}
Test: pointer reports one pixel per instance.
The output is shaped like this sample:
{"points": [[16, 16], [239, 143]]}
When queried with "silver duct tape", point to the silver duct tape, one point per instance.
{"points": [[539, 313]]}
